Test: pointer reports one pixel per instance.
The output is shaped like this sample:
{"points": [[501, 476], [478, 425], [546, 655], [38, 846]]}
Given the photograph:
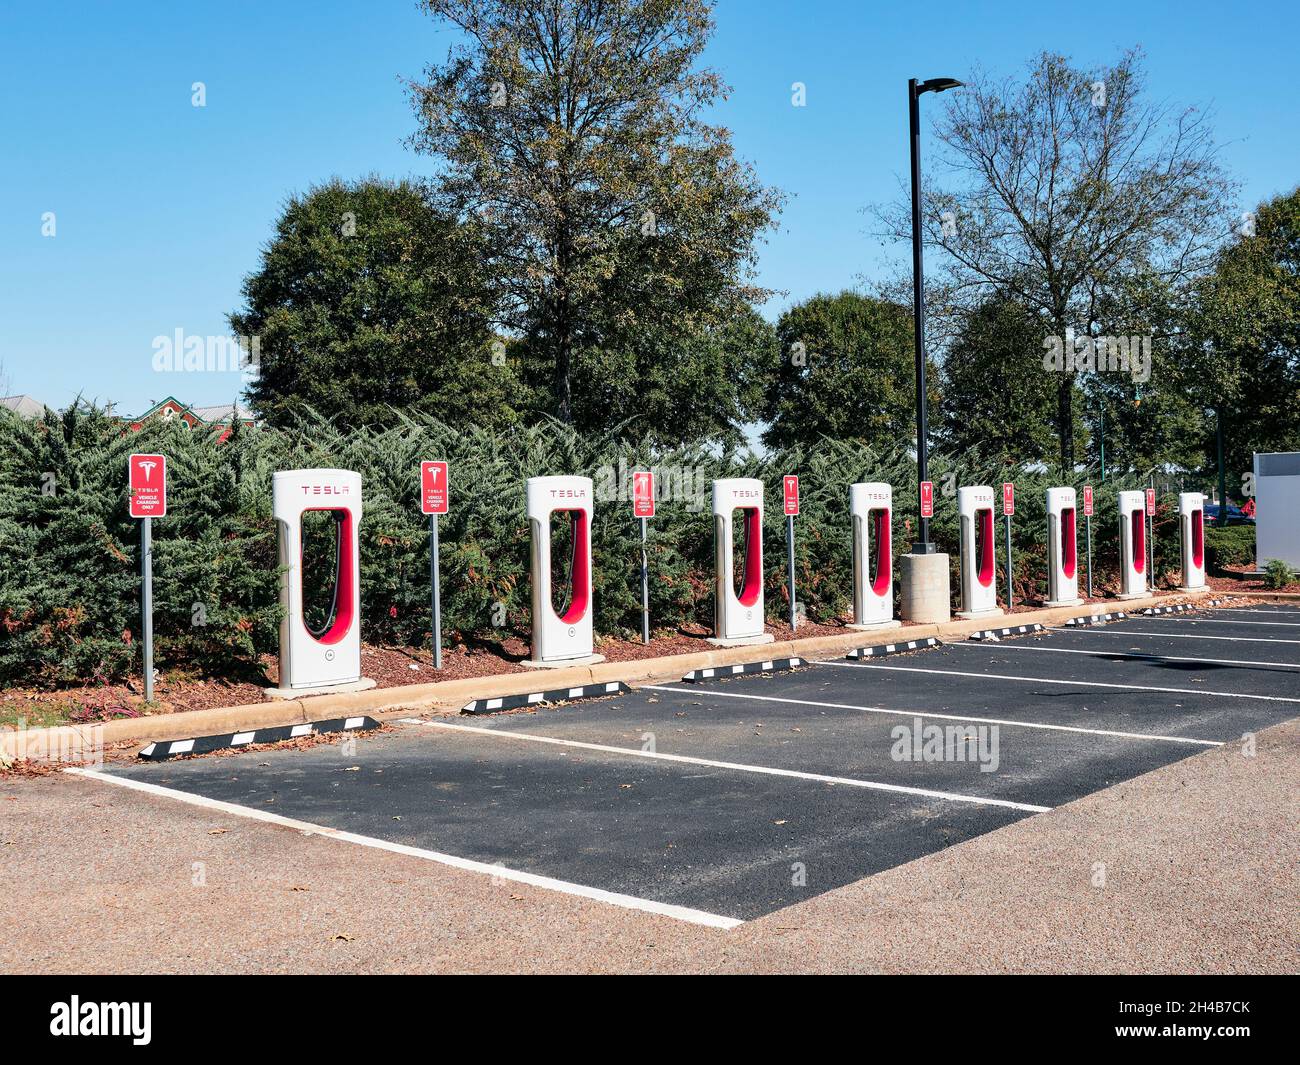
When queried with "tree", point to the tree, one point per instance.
{"points": [[1068, 185], [573, 130], [996, 398], [368, 299], [1246, 323], [847, 371]]}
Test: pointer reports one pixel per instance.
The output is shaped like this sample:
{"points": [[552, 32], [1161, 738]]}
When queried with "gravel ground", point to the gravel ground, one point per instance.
{"points": [[1200, 875]]}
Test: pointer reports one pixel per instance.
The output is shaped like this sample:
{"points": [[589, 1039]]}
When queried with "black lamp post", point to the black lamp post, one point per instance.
{"points": [[914, 91]]}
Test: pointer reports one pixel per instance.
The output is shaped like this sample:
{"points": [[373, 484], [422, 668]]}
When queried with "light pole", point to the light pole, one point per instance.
{"points": [[914, 90]]}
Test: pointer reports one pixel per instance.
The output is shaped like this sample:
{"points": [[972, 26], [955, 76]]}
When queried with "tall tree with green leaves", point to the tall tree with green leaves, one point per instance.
{"points": [[1056, 189], [367, 299], [846, 371], [573, 130], [1245, 363], [996, 398]]}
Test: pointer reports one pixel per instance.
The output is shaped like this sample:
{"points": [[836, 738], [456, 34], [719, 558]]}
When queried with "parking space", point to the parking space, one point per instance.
{"points": [[723, 801]]}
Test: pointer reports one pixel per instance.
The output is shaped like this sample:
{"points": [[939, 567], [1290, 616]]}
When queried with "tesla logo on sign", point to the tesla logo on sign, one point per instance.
{"points": [[643, 494], [1151, 501], [1087, 500], [433, 487], [927, 499], [148, 482], [1008, 498], [790, 485]]}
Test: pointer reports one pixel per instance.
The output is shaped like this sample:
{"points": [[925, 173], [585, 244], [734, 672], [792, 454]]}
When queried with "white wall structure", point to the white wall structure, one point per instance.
{"points": [[871, 507], [1191, 538], [1062, 548], [1277, 508], [1132, 545], [979, 596], [327, 655], [738, 604], [561, 635]]}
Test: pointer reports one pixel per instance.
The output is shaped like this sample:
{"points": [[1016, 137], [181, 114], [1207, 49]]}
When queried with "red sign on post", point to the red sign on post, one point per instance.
{"points": [[1008, 498], [790, 488], [433, 487], [1151, 501], [643, 494], [927, 499], [1087, 500], [148, 482]]}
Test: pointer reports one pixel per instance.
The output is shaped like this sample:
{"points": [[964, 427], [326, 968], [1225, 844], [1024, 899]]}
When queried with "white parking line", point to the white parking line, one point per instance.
{"points": [[1167, 635], [1130, 654], [1225, 621], [1284, 611], [944, 717], [742, 767], [1068, 683], [629, 902]]}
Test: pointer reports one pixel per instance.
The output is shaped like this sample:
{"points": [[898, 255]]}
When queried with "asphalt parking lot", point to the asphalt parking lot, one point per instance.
{"points": [[723, 801]]}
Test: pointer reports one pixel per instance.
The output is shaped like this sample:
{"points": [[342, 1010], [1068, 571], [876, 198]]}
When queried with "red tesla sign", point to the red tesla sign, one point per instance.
{"points": [[1151, 501], [1008, 497], [433, 487], [1087, 500], [148, 482], [790, 488], [643, 494], [927, 499]]}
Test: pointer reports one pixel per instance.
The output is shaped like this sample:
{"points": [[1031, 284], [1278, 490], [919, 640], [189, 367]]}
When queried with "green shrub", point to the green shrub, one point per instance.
{"points": [[1231, 545], [1277, 574]]}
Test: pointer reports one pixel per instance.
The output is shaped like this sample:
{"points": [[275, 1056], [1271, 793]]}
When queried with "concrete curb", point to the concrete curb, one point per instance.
{"points": [[55, 743]]}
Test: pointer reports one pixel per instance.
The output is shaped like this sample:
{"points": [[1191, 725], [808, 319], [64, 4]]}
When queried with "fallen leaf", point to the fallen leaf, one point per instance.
{"points": [[343, 936], [217, 831]]}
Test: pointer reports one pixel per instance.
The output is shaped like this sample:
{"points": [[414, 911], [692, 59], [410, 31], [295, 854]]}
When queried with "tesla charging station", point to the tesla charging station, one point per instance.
{"points": [[1191, 535], [320, 635], [979, 596], [871, 506], [738, 606], [1132, 545], [1062, 548], [562, 631]]}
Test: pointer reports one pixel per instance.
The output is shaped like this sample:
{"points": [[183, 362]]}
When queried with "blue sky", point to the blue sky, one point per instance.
{"points": [[161, 208]]}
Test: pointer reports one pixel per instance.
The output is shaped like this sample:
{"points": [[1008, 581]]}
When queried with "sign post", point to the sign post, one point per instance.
{"points": [[1151, 535], [1008, 509], [790, 492], [643, 507], [148, 492], [433, 501], [1087, 523]]}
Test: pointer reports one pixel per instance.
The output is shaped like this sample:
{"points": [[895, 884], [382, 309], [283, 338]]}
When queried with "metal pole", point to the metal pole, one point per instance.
{"points": [[436, 623], [1223, 480], [146, 602], [923, 545], [645, 588], [1010, 593], [1151, 549], [1087, 522], [789, 557]]}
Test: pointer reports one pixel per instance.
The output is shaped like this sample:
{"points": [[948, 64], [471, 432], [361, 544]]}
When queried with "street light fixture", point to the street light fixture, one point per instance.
{"points": [[914, 91]]}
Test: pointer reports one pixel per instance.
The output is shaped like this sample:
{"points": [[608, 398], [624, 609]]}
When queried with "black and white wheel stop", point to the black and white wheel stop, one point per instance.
{"points": [[1011, 630], [881, 650], [771, 665], [160, 750], [555, 695]]}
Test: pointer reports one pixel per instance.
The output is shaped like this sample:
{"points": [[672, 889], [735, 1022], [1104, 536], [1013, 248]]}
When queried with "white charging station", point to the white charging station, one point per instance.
{"points": [[979, 595], [738, 608], [871, 506], [1062, 548], [562, 634], [325, 655], [1132, 545], [1191, 535]]}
